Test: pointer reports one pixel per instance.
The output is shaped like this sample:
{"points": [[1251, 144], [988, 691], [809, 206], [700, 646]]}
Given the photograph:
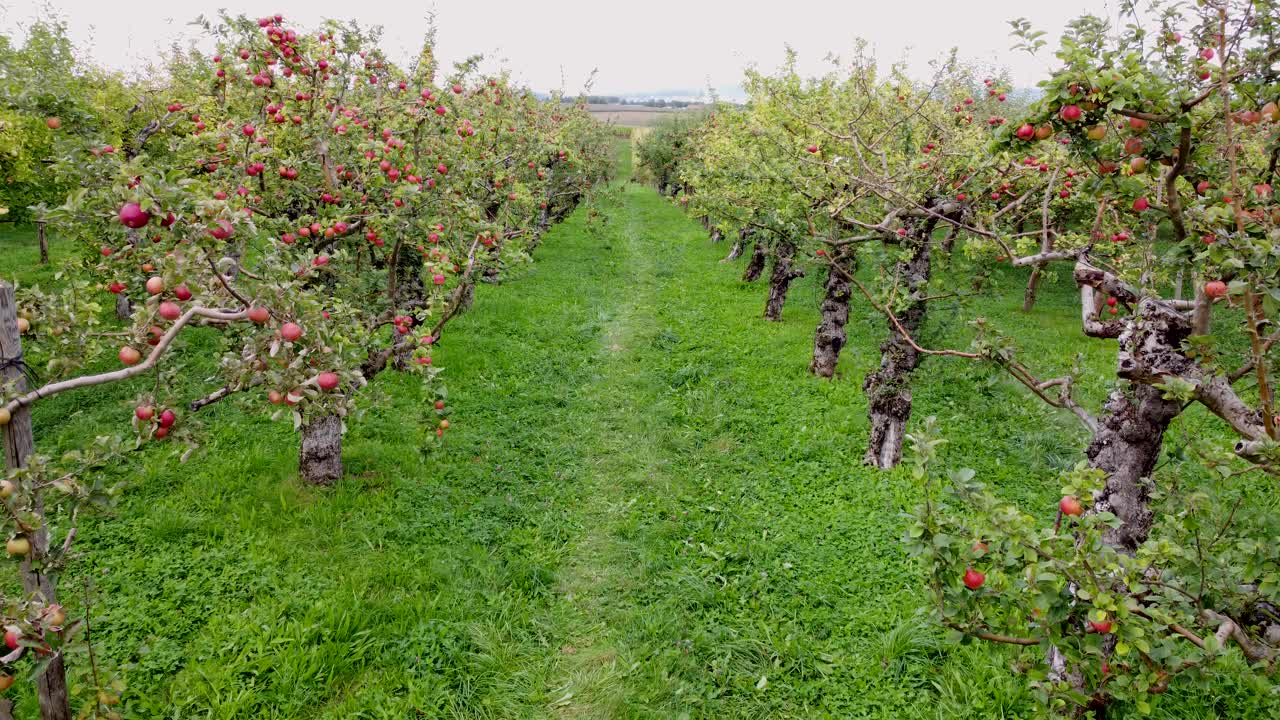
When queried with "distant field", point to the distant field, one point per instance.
{"points": [[633, 115]]}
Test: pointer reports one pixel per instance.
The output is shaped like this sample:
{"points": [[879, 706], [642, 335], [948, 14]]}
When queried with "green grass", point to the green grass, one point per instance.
{"points": [[646, 508]]}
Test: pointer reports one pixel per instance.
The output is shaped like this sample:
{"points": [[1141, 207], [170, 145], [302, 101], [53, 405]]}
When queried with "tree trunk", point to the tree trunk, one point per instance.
{"points": [[780, 279], [407, 266], [1203, 313], [735, 252], [716, 235], [19, 446], [320, 461], [888, 390], [1029, 295], [44, 243], [466, 296], [1033, 282], [756, 265], [1127, 447], [829, 339], [1128, 442], [124, 307]]}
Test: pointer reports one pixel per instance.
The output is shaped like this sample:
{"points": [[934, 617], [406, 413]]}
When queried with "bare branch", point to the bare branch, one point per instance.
{"points": [[125, 373]]}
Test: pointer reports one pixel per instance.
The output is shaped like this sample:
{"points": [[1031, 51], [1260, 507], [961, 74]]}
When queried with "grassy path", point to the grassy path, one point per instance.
{"points": [[645, 508]]}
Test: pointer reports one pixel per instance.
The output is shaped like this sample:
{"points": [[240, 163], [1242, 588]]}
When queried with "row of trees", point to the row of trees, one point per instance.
{"points": [[324, 209], [1148, 164]]}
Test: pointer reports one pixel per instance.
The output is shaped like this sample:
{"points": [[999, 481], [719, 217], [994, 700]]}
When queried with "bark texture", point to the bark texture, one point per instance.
{"points": [[320, 460], [755, 266], [1131, 430], [888, 389], [829, 339], [784, 272], [1126, 447]]}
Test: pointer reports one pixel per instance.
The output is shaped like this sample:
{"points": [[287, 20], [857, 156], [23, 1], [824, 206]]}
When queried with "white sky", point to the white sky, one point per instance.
{"points": [[638, 46]]}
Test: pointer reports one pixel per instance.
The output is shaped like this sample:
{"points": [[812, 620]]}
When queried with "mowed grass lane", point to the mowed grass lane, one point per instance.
{"points": [[645, 508]]}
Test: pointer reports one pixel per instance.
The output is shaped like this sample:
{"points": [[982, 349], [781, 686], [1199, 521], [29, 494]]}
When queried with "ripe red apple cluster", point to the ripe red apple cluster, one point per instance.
{"points": [[164, 421]]}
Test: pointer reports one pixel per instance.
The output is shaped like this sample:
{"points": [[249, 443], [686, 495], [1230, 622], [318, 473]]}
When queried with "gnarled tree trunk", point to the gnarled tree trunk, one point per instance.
{"points": [[1130, 433], [780, 279], [320, 461], [755, 266], [829, 339], [1126, 447], [888, 389]]}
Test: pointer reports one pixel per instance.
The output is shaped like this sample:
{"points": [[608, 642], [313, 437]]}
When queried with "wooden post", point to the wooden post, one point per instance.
{"points": [[19, 445], [44, 243]]}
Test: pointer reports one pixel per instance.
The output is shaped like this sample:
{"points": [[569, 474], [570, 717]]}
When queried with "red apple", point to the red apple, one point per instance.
{"points": [[1215, 289], [290, 331], [133, 216], [170, 310], [1140, 204], [1070, 113], [144, 412], [168, 418], [182, 292], [259, 314], [53, 123], [973, 579], [1026, 131], [1069, 505], [327, 380], [222, 229], [155, 285], [129, 355]]}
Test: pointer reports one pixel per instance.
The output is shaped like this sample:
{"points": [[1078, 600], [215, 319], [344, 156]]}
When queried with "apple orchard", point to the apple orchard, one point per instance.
{"points": [[1145, 168], [327, 211], [320, 214]]}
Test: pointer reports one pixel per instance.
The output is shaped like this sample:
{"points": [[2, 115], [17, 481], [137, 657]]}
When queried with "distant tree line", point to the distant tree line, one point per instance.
{"points": [[615, 100]]}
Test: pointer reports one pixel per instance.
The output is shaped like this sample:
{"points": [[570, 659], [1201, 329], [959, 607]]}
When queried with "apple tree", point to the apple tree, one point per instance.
{"points": [[1134, 583], [323, 209]]}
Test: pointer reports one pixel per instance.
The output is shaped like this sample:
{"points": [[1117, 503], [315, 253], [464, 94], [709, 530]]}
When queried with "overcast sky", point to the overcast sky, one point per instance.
{"points": [[637, 46]]}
